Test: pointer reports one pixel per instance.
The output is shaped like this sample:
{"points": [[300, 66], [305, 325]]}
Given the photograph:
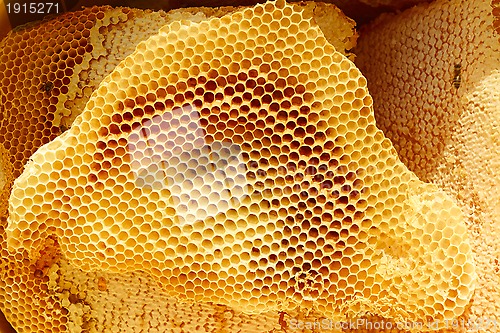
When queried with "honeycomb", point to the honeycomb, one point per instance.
{"points": [[255, 178], [49, 295], [437, 99]]}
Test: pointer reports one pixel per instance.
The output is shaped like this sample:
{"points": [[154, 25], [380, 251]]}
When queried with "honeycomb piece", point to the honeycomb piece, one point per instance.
{"points": [[437, 99], [31, 301], [313, 210]]}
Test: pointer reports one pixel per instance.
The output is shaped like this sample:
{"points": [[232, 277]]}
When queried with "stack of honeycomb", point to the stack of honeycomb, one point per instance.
{"points": [[276, 192]]}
